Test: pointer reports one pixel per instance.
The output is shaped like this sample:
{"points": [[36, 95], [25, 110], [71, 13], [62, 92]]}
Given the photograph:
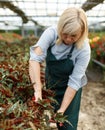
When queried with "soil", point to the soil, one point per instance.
{"points": [[92, 112]]}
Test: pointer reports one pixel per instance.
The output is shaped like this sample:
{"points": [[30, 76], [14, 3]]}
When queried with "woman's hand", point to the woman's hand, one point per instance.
{"points": [[60, 111], [38, 95], [38, 91], [67, 99]]}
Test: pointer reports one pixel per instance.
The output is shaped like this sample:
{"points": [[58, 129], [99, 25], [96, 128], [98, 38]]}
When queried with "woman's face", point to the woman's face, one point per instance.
{"points": [[69, 39]]}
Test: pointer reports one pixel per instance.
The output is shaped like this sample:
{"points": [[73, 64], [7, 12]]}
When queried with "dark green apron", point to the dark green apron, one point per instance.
{"points": [[57, 75]]}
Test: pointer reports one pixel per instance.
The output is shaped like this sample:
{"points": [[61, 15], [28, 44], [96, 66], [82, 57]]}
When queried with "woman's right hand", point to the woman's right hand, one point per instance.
{"points": [[38, 95], [38, 92]]}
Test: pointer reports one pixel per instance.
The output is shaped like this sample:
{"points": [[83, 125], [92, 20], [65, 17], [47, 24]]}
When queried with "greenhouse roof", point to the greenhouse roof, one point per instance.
{"points": [[47, 12]]}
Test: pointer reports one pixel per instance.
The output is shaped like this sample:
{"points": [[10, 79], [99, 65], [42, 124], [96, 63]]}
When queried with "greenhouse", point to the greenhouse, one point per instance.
{"points": [[23, 26]]}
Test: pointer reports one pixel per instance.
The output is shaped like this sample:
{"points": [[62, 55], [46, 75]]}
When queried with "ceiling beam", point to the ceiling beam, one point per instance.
{"points": [[89, 4], [14, 8]]}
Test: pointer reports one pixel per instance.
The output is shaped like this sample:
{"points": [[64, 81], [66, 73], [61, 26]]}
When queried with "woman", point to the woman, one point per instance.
{"points": [[67, 53]]}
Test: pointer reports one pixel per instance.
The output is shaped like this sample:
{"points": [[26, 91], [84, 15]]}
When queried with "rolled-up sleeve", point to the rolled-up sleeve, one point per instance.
{"points": [[78, 78], [35, 57], [46, 39]]}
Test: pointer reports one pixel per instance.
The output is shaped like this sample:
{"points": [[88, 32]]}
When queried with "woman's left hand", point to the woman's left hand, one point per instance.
{"points": [[60, 111]]}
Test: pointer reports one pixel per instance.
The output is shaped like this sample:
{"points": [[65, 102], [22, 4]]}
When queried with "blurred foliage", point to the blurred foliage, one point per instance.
{"points": [[97, 43], [10, 37]]}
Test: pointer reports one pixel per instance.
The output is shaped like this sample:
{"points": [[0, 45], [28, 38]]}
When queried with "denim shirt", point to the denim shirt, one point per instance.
{"points": [[80, 57]]}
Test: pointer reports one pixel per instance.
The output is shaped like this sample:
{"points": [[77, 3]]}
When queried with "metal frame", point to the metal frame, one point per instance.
{"points": [[48, 15]]}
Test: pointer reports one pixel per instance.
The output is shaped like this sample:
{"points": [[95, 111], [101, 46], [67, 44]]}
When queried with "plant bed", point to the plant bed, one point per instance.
{"points": [[18, 109]]}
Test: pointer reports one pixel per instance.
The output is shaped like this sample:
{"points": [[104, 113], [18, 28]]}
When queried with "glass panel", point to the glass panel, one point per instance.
{"points": [[49, 10]]}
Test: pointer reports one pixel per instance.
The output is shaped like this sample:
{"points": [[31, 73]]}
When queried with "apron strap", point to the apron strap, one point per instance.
{"points": [[71, 50]]}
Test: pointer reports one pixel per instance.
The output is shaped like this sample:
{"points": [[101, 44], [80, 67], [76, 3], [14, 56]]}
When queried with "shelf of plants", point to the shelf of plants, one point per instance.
{"points": [[97, 43]]}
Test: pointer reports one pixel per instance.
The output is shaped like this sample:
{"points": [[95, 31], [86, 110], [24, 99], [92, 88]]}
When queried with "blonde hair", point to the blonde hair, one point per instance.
{"points": [[71, 22]]}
